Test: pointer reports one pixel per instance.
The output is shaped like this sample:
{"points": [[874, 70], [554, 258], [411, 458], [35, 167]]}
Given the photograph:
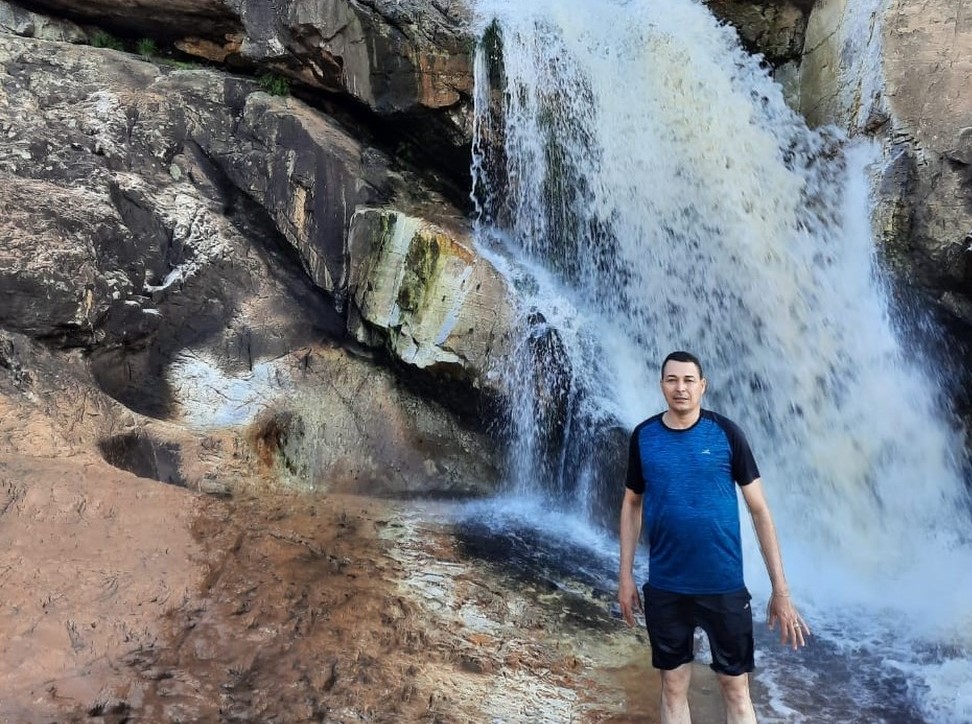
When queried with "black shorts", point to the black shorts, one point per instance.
{"points": [[727, 619]]}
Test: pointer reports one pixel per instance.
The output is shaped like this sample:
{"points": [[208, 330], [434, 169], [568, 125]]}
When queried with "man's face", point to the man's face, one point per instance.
{"points": [[682, 386]]}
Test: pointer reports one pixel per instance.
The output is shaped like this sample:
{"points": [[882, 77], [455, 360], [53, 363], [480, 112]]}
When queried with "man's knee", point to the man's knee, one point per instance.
{"points": [[675, 682], [735, 691]]}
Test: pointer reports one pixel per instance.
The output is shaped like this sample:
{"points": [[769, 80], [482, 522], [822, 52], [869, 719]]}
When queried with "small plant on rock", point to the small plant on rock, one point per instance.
{"points": [[147, 48], [104, 39], [274, 84]]}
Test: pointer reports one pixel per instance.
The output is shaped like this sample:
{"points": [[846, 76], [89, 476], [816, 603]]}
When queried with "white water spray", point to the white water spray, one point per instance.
{"points": [[674, 201]]}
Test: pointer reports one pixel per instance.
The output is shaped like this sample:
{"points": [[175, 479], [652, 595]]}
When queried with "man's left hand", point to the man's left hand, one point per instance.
{"points": [[793, 629]]}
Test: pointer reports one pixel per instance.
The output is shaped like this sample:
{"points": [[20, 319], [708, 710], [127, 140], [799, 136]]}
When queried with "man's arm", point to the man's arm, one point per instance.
{"points": [[630, 531], [793, 628]]}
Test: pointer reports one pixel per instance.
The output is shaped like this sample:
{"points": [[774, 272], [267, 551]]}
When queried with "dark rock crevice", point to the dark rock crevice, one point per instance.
{"points": [[130, 18], [145, 457]]}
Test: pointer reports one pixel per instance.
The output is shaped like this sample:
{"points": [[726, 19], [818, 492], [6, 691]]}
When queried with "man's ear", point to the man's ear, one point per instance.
{"points": [[705, 383]]}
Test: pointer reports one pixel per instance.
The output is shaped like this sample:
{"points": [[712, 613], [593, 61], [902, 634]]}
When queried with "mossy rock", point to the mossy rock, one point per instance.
{"points": [[421, 271]]}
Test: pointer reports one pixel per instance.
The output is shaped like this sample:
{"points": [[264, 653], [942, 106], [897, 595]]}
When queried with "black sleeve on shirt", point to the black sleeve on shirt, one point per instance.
{"points": [[635, 479], [744, 469]]}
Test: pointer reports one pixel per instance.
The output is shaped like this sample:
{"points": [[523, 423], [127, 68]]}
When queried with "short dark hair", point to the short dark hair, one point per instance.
{"points": [[681, 356]]}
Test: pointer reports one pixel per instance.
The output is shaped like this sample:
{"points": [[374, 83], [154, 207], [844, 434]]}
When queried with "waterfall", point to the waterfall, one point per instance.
{"points": [[644, 185]]}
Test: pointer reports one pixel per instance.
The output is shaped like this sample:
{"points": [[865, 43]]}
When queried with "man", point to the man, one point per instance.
{"points": [[683, 468]]}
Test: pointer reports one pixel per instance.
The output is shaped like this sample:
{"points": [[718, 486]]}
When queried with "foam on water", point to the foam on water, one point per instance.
{"points": [[942, 689]]}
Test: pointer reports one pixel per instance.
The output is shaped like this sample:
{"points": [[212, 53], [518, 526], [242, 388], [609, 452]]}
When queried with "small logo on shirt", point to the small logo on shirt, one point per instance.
{"points": [[707, 452]]}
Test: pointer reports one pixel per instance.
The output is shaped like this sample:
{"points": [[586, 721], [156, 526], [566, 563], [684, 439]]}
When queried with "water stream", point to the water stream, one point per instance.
{"points": [[645, 187]]}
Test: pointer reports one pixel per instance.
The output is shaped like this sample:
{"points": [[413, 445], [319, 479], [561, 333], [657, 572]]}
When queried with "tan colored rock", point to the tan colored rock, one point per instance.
{"points": [[211, 50], [928, 67], [94, 560]]}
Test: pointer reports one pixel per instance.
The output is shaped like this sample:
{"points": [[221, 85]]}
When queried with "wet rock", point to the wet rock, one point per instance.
{"points": [[551, 387], [427, 296], [773, 28]]}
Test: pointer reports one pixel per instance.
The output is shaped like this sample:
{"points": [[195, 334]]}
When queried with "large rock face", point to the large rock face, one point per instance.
{"points": [[180, 229], [899, 71], [407, 63], [928, 71], [144, 185]]}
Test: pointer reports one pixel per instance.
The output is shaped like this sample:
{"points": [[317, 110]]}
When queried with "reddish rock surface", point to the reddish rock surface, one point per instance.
{"points": [[124, 599]]}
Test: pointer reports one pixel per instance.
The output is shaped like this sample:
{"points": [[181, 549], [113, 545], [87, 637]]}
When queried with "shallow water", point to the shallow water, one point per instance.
{"points": [[844, 674]]}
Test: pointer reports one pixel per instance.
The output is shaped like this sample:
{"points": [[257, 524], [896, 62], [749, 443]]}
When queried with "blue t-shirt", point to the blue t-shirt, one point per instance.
{"points": [[691, 515]]}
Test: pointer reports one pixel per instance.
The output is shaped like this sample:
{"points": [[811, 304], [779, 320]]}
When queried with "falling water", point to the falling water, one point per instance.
{"points": [[642, 182]]}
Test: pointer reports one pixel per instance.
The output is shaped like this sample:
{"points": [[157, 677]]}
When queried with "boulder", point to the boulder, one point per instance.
{"points": [[427, 296], [351, 426]]}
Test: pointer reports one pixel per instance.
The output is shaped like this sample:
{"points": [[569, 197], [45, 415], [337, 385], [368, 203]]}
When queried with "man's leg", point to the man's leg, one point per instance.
{"points": [[671, 632], [728, 621], [735, 695], [674, 695]]}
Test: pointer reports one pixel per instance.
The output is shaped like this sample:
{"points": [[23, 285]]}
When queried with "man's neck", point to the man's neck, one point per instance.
{"points": [[683, 420]]}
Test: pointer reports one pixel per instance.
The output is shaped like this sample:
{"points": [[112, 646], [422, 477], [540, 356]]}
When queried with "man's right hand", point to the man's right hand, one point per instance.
{"points": [[628, 598]]}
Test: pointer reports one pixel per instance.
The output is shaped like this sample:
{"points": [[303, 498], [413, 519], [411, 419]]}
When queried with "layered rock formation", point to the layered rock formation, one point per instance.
{"points": [[408, 64], [181, 229]]}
